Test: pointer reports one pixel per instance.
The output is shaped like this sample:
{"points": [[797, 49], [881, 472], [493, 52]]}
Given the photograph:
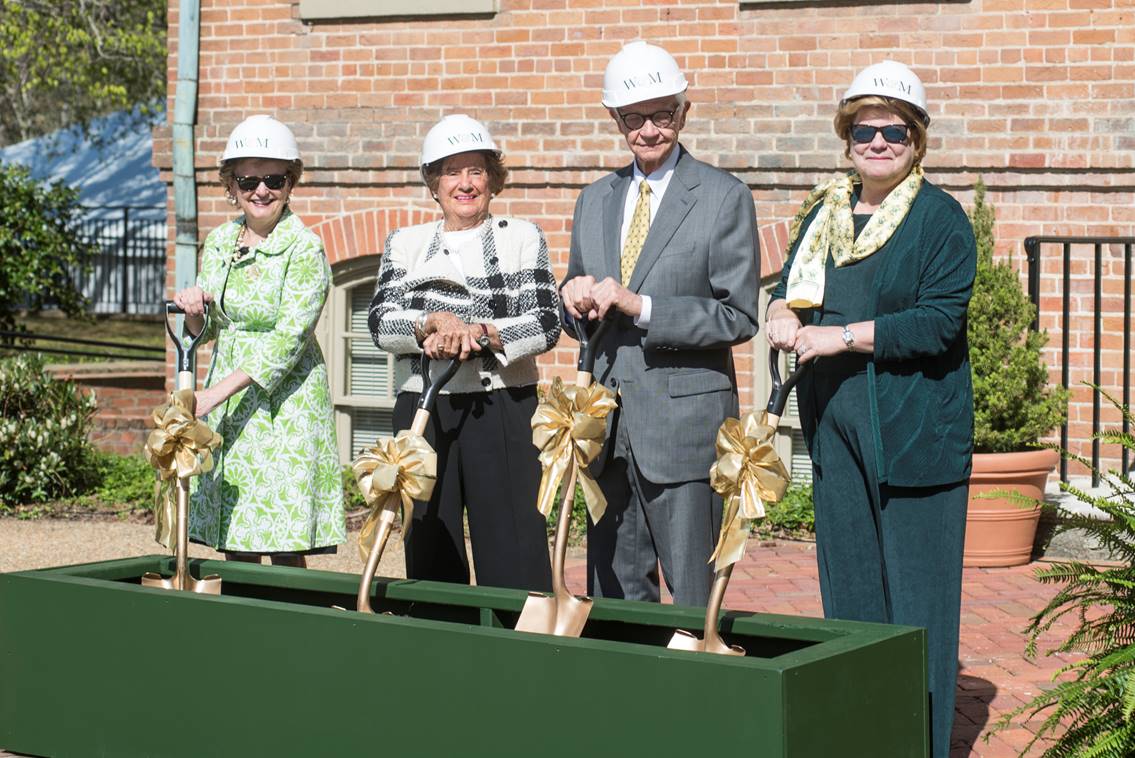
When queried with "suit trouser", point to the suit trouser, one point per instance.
{"points": [[487, 466], [646, 524], [894, 555]]}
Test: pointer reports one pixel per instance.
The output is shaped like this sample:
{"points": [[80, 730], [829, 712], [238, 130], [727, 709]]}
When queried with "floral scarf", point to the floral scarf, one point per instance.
{"points": [[832, 232]]}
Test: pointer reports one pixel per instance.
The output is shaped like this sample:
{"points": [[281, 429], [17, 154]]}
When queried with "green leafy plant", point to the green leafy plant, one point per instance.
{"points": [[1014, 405], [44, 452], [66, 63], [352, 496], [124, 480], [41, 249], [577, 529], [1091, 712], [793, 516]]}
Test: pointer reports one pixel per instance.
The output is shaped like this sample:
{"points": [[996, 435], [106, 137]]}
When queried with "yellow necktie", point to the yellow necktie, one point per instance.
{"points": [[636, 234]]}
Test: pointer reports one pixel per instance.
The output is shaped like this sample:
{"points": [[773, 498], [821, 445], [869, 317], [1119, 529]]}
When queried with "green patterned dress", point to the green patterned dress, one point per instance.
{"points": [[276, 485]]}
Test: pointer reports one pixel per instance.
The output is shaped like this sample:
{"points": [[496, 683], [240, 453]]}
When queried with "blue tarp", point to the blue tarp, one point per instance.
{"points": [[111, 176]]}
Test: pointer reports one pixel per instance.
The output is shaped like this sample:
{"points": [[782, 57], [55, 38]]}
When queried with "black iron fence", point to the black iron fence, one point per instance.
{"points": [[1103, 306], [75, 346], [129, 275]]}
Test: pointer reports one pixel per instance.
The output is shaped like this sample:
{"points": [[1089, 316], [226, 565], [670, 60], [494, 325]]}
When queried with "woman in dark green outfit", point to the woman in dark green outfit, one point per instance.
{"points": [[874, 295]]}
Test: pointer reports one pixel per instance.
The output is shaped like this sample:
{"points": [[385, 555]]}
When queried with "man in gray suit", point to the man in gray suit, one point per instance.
{"points": [[668, 246]]}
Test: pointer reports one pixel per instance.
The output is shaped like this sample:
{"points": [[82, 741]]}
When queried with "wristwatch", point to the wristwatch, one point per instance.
{"points": [[848, 338], [484, 340], [420, 327]]}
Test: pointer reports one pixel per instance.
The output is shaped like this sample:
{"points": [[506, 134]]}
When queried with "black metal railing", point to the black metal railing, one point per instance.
{"points": [[129, 275], [1033, 250], [29, 342]]}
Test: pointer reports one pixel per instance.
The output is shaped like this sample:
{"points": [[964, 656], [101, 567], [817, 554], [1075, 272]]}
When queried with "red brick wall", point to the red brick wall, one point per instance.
{"points": [[125, 399], [1037, 97]]}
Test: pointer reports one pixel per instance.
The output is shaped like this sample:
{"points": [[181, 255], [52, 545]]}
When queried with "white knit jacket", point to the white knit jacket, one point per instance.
{"points": [[508, 282]]}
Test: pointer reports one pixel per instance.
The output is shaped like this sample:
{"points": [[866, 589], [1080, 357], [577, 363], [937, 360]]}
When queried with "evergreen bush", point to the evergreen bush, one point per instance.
{"points": [[1014, 406], [44, 452], [41, 248]]}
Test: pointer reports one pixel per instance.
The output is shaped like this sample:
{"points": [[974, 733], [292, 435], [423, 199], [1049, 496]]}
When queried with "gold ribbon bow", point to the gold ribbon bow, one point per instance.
{"points": [[747, 473], [571, 423], [180, 446], [402, 468]]}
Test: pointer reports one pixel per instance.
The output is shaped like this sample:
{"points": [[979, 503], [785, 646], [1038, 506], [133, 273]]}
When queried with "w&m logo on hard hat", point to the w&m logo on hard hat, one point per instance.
{"points": [[260, 142], [888, 83], [643, 81], [458, 139]]}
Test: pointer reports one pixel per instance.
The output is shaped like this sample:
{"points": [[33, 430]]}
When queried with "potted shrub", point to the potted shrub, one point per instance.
{"points": [[1014, 407]]}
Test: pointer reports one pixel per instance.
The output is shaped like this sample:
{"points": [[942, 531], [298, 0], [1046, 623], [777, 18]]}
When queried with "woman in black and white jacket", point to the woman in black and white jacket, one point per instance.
{"points": [[481, 288]]}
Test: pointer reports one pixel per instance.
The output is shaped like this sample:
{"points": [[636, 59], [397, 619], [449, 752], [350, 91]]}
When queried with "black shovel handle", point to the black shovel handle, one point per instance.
{"points": [[431, 387], [184, 349], [589, 333], [778, 398]]}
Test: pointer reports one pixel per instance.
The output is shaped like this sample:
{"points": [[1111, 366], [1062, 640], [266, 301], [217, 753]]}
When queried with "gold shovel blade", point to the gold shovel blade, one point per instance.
{"points": [[210, 585], [683, 640], [548, 614]]}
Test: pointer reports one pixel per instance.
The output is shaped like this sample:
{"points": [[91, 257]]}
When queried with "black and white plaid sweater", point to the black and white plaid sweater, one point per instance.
{"points": [[507, 282]]}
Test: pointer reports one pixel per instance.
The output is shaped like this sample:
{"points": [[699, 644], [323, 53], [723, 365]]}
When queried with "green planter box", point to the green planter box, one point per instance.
{"points": [[92, 664]]}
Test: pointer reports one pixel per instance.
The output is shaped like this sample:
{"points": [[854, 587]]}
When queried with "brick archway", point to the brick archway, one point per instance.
{"points": [[353, 235]]}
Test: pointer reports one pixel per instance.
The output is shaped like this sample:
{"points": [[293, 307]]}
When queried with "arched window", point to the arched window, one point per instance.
{"points": [[362, 376]]}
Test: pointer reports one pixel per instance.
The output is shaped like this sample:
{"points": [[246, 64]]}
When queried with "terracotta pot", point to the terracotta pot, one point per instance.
{"points": [[1000, 532]]}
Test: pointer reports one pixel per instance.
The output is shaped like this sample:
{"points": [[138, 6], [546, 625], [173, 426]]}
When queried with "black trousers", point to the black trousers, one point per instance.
{"points": [[487, 468]]}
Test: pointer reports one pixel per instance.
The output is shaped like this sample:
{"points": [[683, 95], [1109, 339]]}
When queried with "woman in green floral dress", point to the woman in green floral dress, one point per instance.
{"points": [[276, 486]]}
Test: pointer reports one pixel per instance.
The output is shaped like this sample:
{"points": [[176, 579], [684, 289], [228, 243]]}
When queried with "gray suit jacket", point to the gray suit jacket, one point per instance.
{"points": [[700, 266]]}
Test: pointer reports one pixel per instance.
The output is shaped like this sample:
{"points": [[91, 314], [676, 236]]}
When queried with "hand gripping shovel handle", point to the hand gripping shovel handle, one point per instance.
{"points": [[431, 388], [185, 347], [186, 380], [562, 613], [712, 642]]}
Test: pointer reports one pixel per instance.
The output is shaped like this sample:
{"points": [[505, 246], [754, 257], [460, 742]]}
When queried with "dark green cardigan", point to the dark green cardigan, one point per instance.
{"points": [[921, 391]]}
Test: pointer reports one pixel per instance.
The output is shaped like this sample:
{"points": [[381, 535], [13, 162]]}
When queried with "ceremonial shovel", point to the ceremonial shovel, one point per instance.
{"points": [[186, 380], [562, 613], [430, 390], [712, 642]]}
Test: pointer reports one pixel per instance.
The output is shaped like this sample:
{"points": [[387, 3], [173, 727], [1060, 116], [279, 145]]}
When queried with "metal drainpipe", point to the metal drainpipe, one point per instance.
{"points": [[184, 117]]}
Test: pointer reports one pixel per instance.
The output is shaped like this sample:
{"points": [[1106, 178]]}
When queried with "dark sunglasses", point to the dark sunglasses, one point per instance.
{"points": [[271, 181], [896, 134], [661, 119]]}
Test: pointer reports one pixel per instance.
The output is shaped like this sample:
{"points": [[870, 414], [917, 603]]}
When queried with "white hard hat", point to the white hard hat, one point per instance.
{"points": [[455, 134], [261, 136], [638, 72], [890, 79]]}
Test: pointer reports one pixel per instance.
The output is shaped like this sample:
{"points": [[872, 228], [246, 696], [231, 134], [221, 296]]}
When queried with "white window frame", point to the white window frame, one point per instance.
{"points": [[320, 10], [334, 336]]}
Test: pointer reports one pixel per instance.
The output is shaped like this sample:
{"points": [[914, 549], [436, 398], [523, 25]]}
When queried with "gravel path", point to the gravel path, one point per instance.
{"points": [[51, 542]]}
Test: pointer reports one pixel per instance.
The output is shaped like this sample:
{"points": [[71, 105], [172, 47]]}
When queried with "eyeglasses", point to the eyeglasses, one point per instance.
{"points": [[661, 119], [271, 181], [896, 134]]}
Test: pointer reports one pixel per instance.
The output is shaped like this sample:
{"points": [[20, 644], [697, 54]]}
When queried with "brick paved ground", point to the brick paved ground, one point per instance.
{"points": [[995, 676]]}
